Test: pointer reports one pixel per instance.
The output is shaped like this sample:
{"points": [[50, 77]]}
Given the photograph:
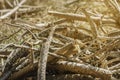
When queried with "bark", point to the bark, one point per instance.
{"points": [[43, 57], [84, 69]]}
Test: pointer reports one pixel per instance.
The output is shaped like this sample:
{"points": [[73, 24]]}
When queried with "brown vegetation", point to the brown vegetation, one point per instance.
{"points": [[59, 39]]}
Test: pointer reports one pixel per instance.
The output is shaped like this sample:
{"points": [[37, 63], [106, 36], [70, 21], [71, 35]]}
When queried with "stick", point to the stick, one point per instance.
{"points": [[23, 71], [92, 24], [13, 11], [60, 51], [12, 58], [84, 69], [10, 35], [43, 57], [80, 17]]}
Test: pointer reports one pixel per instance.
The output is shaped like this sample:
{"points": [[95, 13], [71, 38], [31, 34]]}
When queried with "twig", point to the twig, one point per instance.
{"points": [[13, 11], [23, 64], [63, 38], [9, 3], [14, 55], [114, 34], [61, 51], [106, 48], [10, 35], [71, 2], [34, 36], [92, 24], [6, 74], [3, 56], [4, 52], [80, 17], [84, 69], [113, 60], [115, 66], [18, 46], [43, 57], [23, 71]]}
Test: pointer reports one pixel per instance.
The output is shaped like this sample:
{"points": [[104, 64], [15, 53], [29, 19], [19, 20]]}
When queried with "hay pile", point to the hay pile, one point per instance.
{"points": [[69, 40]]}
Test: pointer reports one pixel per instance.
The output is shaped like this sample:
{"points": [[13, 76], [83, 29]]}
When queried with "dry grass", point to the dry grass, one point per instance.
{"points": [[87, 33]]}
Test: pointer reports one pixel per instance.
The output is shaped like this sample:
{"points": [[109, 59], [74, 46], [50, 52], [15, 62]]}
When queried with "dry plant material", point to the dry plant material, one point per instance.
{"points": [[10, 35], [43, 57], [76, 46], [14, 55], [80, 17], [13, 11], [81, 68], [93, 25], [23, 71], [114, 34]]}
